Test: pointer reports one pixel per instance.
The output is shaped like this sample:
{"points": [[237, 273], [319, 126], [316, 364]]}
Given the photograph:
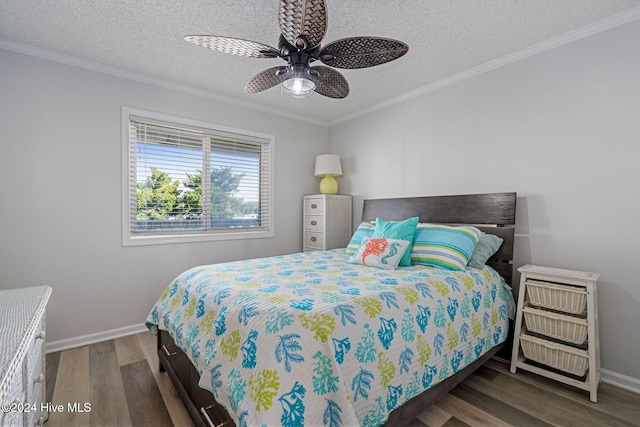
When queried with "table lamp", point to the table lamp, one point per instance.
{"points": [[328, 166]]}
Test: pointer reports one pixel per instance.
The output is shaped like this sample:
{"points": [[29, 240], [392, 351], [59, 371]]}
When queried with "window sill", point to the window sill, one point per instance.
{"points": [[151, 239]]}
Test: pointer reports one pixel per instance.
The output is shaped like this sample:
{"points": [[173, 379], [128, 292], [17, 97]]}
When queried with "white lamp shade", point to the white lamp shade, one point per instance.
{"points": [[328, 164]]}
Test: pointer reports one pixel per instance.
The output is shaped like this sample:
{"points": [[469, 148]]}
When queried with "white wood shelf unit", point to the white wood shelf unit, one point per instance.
{"points": [[573, 281]]}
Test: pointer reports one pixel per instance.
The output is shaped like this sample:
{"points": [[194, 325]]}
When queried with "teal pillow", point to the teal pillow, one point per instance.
{"points": [[486, 247], [365, 229], [444, 246], [400, 230]]}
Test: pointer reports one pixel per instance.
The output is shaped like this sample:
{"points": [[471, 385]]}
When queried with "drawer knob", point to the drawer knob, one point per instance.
{"points": [[313, 238], [42, 335], [314, 206], [39, 379], [314, 222]]}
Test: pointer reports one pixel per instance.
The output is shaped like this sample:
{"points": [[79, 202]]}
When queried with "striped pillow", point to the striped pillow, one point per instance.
{"points": [[365, 229], [444, 246]]}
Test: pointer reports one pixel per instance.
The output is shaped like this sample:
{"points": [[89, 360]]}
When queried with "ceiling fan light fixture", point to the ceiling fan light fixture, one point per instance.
{"points": [[298, 87]]}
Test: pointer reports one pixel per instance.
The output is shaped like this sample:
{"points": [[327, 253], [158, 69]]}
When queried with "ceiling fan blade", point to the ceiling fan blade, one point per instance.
{"points": [[362, 52], [234, 46], [266, 79], [303, 21], [330, 83]]}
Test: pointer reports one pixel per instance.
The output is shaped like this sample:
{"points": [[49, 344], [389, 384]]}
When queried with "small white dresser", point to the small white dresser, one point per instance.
{"points": [[326, 222], [22, 356]]}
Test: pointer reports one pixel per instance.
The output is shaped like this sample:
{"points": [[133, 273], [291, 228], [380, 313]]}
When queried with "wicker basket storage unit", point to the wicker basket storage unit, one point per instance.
{"points": [[554, 296], [555, 325], [558, 356]]}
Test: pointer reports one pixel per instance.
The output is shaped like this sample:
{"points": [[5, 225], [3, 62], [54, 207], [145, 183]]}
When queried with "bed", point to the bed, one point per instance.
{"points": [[314, 339]]}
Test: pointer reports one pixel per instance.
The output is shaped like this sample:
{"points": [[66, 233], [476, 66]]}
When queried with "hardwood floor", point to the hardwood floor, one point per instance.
{"points": [[121, 382]]}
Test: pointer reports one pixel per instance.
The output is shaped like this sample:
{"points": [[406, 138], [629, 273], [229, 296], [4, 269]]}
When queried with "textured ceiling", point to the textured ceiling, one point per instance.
{"points": [[445, 38]]}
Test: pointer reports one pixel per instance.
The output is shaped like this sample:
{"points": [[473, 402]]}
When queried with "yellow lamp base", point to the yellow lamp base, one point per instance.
{"points": [[329, 185]]}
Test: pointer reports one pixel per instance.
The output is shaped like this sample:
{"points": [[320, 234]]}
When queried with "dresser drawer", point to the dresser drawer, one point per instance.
{"points": [[313, 222], [37, 417], [35, 385], [36, 347], [313, 206], [35, 351], [313, 240]]}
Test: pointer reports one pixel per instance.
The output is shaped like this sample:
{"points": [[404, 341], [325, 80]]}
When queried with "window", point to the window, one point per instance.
{"points": [[188, 181]]}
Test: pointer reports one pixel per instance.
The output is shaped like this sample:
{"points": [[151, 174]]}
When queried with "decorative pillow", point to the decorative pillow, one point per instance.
{"points": [[401, 230], [444, 246], [380, 252], [365, 229], [486, 247]]}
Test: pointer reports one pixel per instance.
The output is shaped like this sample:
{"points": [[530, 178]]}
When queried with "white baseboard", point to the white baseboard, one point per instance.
{"points": [[615, 379], [83, 340], [621, 381]]}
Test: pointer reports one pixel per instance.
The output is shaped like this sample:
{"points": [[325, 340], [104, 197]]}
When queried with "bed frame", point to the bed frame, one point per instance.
{"points": [[493, 213]]}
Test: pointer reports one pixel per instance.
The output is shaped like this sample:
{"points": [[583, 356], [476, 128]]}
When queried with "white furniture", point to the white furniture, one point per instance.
{"points": [[326, 222], [22, 356], [556, 330]]}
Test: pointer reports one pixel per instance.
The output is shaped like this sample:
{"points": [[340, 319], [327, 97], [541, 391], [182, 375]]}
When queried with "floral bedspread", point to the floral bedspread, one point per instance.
{"points": [[309, 339]]}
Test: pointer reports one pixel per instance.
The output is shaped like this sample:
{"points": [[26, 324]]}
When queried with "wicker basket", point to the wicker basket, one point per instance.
{"points": [[558, 356], [559, 326], [569, 299]]}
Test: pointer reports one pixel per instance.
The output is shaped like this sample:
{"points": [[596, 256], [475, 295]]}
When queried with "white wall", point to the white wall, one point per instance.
{"points": [[562, 129], [60, 201]]}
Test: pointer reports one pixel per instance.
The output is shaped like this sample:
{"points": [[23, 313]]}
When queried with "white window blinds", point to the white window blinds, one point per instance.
{"points": [[186, 180]]}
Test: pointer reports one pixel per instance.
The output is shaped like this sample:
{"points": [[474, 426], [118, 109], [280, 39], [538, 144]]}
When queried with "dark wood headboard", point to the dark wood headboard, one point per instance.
{"points": [[493, 213]]}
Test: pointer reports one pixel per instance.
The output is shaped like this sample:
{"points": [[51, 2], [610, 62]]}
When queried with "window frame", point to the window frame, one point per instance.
{"points": [[179, 236]]}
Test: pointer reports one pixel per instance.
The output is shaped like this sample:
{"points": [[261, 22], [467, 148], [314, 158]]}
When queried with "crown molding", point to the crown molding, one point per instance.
{"points": [[144, 78], [580, 33]]}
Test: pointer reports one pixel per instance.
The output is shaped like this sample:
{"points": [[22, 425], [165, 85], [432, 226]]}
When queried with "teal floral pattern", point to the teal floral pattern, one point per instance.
{"points": [[310, 337]]}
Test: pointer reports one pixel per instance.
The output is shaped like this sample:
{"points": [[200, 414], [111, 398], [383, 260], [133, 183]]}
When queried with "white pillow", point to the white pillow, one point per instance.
{"points": [[380, 252]]}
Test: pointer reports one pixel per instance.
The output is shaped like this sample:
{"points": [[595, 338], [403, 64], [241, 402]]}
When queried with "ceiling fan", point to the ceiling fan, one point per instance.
{"points": [[303, 24]]}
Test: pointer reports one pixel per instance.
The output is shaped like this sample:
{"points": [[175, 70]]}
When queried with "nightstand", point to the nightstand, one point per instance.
{"points": [[558, 338], [326, 222]]}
